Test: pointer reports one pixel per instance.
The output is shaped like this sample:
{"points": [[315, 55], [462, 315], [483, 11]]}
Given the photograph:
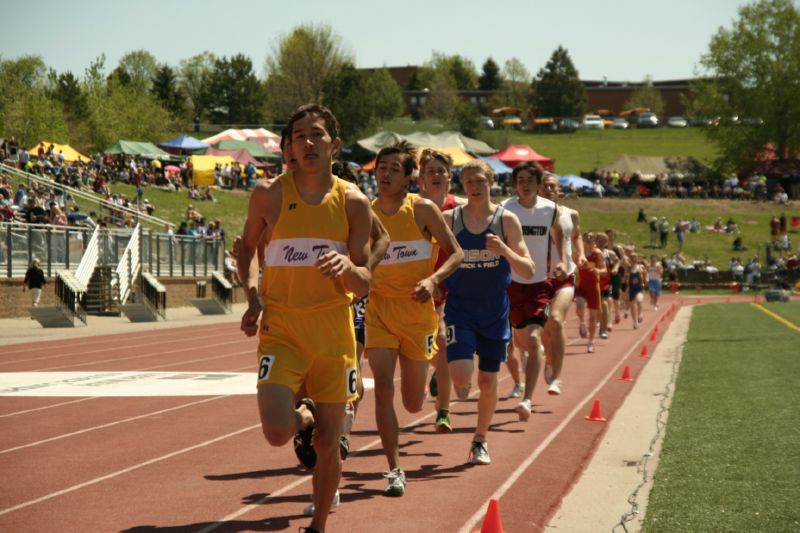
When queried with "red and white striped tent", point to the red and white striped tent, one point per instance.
{"points": [[271, 141]]}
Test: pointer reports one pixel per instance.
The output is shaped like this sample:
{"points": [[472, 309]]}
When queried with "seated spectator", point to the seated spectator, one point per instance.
{"points": [[183, 229], [737, 245], [731, 227], [641, 217], [194, 194], [193, 214], [208, 195], [57, 216], [7, 213]]}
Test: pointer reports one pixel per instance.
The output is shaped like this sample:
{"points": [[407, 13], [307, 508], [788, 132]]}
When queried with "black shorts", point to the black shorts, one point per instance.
{"points": [[360, 337], [606, 293], [540, 320]]}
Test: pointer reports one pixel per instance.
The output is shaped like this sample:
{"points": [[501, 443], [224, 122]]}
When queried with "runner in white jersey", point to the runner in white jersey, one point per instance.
{"points": [[530, 297], [555, 336]]}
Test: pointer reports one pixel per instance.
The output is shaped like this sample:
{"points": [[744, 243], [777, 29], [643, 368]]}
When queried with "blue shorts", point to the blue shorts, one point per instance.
{"points": [[463, 343], [654, 285]]}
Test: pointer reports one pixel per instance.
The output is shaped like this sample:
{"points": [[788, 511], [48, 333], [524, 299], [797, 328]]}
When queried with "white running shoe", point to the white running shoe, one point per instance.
{"points": [[479, 453], [555, 388], [590, 347], [582, 330], [523, 409], [516, 392], [548, 373], [309, 511], [603, 335], [397, 482]]}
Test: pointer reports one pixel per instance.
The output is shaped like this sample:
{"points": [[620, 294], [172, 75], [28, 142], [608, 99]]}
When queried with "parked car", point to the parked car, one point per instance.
{"points": [[568, 125], [647, 120], [592, 122], [619, 124], [677, 122]]}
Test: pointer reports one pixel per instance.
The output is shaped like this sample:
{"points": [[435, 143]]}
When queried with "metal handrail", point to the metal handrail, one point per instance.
{"points": [[83, 274], [138, 215], [129, 265], [154, 294], [222, 289]]}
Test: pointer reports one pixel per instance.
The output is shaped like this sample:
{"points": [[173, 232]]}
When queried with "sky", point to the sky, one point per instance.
{"points": [[619, 40]]}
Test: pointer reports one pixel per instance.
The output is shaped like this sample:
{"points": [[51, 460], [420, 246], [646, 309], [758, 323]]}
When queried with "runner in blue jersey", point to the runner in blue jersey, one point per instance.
{"points": [[476, 312]]}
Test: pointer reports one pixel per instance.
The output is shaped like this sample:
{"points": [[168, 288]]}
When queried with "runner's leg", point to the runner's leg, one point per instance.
{"points": [[328, 471], [382, 361]]}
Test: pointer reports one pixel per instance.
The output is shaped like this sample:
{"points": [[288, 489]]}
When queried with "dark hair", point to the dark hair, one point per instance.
{"points": [[343, 170], [534, 168], [407, 152], [284, 137], [331, 124], [429, 154]]}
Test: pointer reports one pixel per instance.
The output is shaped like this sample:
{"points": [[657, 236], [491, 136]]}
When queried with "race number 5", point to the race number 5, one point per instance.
{"points": [[265, 364]]}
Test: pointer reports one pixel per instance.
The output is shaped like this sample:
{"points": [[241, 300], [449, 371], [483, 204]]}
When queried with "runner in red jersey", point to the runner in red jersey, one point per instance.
{"points": [[587, 293]]}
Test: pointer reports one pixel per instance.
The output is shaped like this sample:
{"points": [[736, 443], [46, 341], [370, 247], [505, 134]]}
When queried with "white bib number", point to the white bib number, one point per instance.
{"points": [[352, 381], [265, 364], [451, 335]]}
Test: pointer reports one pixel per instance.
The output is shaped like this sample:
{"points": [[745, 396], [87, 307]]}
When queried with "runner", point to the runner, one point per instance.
{"points": [[476, 312], [401, 319], [655, 272], [555, 335], [610, 262], [636, 276], [318, 227], [616, 275], [587, 292], [434, 175], [530, 296]]}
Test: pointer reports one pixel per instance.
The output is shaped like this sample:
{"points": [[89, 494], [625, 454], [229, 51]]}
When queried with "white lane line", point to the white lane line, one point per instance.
{"points": [[80, 342], [472, 522], [108, 425], [286, 488], [58, 355], [47, 407], [125, 470]]}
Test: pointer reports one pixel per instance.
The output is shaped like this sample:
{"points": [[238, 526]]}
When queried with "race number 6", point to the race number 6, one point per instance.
{"points": [[265, 364]]}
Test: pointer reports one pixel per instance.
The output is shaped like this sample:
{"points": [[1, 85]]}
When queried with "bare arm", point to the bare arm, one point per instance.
{"points": [[352, 268], [513, 249], [557, 235], [578, 253], [430, 218], [380, 242]]}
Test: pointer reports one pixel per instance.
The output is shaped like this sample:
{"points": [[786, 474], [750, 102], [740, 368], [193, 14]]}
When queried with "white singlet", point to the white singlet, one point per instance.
{"points": [[566, 226], [536, 223], [652, 273]]}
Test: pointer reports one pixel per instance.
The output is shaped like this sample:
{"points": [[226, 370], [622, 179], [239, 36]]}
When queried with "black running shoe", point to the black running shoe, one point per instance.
{"points": [[344, 447], [303, 444]]}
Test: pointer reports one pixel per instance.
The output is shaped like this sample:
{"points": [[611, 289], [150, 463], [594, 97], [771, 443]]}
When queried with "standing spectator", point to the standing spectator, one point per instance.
{"points": [[663, 229], [215, 230], [34, 281], [774, 228], [642, 217], [680, 234]]}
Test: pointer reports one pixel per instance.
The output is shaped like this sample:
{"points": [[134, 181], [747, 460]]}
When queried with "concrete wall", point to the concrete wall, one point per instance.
{"points": [[180, 292]]}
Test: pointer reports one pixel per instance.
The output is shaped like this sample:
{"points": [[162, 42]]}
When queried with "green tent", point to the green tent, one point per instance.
{"points": [[254, 149], [144, 149]]}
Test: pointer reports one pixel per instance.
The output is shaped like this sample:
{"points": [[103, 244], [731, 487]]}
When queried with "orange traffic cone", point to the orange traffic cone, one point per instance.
{"points": [[626, 374], [655, 330], [654, 335], [596, 415], [644, 353], [664, 317], [492, 522]]}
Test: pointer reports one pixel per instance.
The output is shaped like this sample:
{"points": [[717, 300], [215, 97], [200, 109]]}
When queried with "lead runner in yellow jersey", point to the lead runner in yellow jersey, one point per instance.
{"points": [[318, 227], [400, 319]]}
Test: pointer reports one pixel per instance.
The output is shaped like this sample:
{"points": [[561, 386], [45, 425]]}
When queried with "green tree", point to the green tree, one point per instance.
{"points": [[139, 66], [236, 95], [646, 96], [517, 84], [194, 78], [362, 99], [165, 89], [26, 110], [67, 90], [124, 112], [557, 89], [752, 71], [299, 67], [490, 79]]}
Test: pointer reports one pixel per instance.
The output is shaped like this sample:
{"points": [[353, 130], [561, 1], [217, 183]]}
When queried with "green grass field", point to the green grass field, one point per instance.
{"points": [[731, 460]]}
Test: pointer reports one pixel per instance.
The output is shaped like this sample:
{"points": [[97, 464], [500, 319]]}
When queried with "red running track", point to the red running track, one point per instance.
{"points": [[200, 463]]}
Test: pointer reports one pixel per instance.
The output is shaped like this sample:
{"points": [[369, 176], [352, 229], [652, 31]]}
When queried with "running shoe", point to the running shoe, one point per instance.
{"points": [[397, 482], [617, 319], [479, 453], [442, 424], [590, 347], [516, 392], [462, 394], [303, 443], [641, 318], [555, 388], [635, 324], [548, 373], [603, 334], [655, 308], [309, 511], [433, 386], [344, 447], [523, 409], [582, 330]]}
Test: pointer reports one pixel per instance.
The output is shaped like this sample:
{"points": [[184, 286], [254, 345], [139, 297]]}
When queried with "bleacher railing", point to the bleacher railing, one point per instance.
{"points": [[154, 294], [90, 256], [70, 296], [222, 290], [129, 265]]}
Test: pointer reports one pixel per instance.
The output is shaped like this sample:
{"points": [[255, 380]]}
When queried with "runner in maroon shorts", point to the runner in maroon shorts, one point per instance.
{"points": [[587, 292], [530, 298], [555, 336]]}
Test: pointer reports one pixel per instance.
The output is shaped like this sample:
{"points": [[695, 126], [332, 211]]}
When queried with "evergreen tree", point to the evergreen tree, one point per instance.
{"points": [[235, 94], [165, 89], [557, 89], [490, 79]]}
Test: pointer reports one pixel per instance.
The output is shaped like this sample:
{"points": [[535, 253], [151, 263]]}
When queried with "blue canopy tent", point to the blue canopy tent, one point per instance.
{"points": [[569, 180], [498, 166], [183, 144]]}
